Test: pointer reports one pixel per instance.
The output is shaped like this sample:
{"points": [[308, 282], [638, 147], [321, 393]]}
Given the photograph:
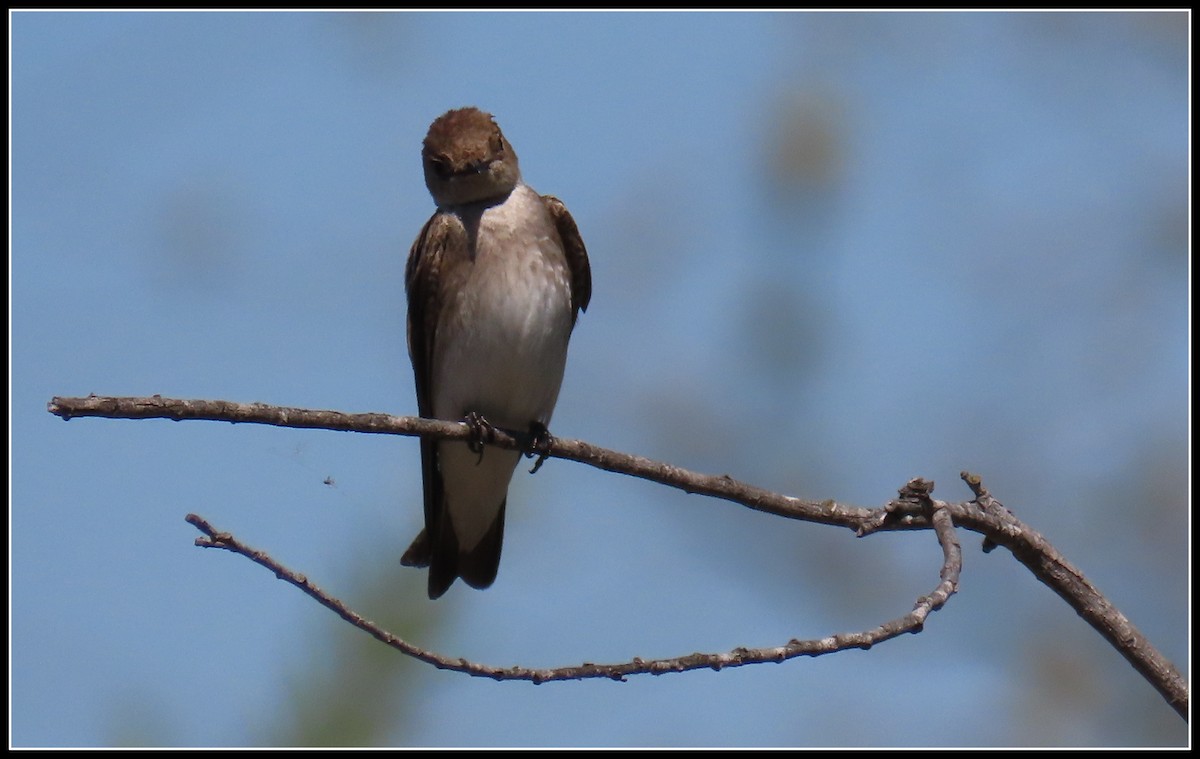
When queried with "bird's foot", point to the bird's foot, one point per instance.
{"points": [[482, 432], [539, 443]]}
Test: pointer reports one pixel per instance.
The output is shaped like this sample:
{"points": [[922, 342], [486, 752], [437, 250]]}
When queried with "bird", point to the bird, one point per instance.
{"points": [[495, 282]]}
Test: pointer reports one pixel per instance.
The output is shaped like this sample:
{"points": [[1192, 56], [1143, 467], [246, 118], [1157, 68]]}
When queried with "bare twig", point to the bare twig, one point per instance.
{"points": [[738, 657], [915, 509]]}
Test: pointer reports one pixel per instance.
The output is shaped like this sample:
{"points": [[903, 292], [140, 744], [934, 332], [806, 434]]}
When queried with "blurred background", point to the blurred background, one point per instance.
{"points": [[830, 252]]}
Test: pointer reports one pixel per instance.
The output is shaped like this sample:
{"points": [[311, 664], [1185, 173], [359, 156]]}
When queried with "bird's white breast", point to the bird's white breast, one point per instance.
{"points": [[501, 343]]}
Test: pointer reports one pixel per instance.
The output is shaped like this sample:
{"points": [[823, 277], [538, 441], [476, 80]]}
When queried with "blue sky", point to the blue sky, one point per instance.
{"points": [[980, 260]]}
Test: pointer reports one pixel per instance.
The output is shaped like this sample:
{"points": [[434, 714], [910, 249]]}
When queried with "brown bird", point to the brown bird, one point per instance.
{"points": [[495, 282]]}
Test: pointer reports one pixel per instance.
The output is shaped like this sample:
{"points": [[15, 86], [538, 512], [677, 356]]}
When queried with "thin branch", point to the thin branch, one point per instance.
{"points": [[738, 657], [913, 510]]}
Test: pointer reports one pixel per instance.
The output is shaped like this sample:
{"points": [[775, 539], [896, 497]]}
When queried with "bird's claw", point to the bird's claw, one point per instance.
{"points": [[482, 432], [540, 441]]}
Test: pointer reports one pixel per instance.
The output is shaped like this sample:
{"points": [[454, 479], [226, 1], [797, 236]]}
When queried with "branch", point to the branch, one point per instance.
{"points": [[911, 622], [915, 509]]}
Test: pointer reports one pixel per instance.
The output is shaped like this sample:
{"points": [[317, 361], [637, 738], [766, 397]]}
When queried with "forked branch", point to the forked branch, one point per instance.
{"points": [[914, 509]]}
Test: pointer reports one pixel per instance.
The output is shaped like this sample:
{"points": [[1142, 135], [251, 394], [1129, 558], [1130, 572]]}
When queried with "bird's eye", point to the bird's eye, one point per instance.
{"points": [[497, 143], [440, 166]]}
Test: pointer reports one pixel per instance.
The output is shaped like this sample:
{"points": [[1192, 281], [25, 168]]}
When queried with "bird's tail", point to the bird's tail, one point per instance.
{"points": [[477, 567]]}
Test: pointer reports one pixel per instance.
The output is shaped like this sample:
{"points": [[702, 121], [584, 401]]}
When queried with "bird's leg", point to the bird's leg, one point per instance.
{"points": [[482, 432], [539, 444]]}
